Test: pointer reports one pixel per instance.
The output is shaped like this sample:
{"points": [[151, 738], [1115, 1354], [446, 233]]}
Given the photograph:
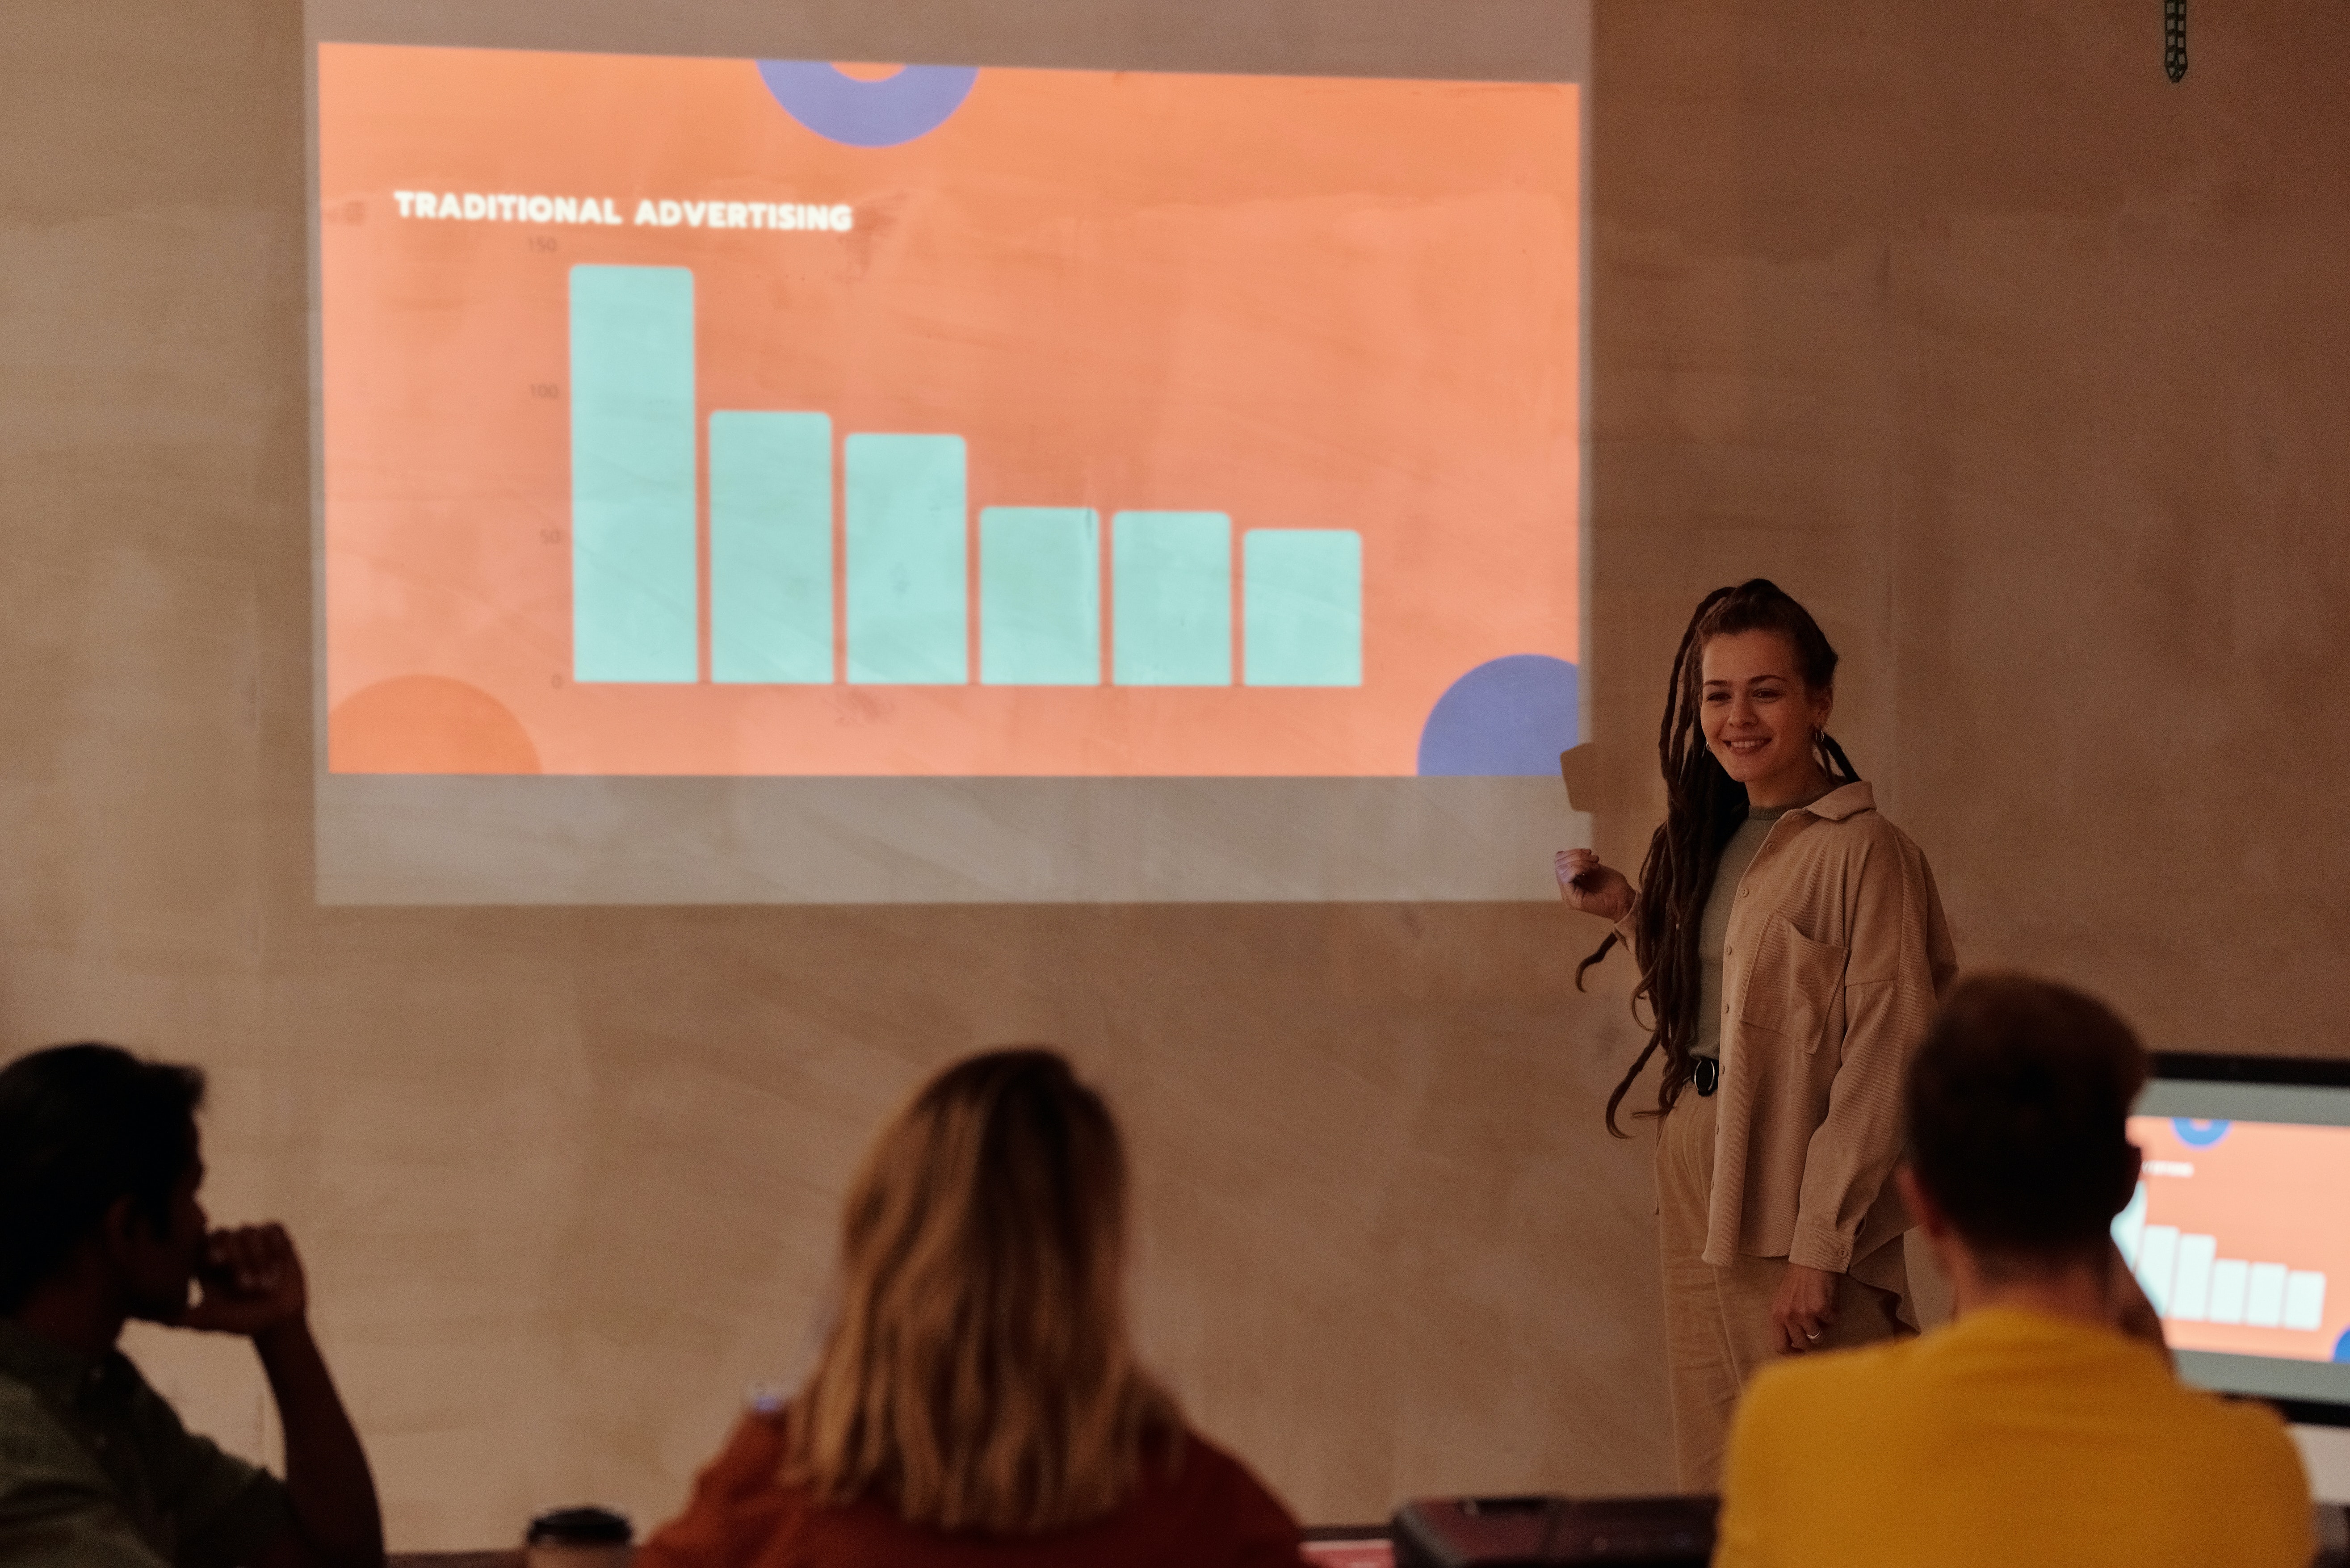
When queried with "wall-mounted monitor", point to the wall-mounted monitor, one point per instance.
{"points": [[2240, 1230]]}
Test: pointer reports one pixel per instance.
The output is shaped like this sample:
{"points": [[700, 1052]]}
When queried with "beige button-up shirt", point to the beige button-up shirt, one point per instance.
{"points": [[1836, 956]]}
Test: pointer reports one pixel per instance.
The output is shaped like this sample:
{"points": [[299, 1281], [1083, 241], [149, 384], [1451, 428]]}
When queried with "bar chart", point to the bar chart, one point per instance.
{"points": [[1262, 467], [2186, 1279], [1176, 613]]}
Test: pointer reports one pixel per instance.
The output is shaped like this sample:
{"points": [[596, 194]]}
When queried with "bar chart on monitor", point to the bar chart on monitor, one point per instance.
{"points": [[2186, 1279], [2234, 1236], [695, 416]]}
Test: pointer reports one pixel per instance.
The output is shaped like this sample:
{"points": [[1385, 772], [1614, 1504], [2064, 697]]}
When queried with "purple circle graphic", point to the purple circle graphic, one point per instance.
{"points": [[893, 110], [1507, 718]]}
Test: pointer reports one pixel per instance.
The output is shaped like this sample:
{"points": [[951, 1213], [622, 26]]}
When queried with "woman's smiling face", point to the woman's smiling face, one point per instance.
{"points": [[1758, 715]]}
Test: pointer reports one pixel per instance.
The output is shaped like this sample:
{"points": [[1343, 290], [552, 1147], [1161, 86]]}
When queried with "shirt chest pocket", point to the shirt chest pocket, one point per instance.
{"points": [[1790, 988]]}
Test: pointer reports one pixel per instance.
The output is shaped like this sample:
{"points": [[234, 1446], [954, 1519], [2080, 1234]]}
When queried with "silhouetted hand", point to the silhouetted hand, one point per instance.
{"points": [[252, 1283], [1586, 885]]}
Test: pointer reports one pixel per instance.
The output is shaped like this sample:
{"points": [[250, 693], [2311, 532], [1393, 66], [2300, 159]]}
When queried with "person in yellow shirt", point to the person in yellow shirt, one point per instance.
{"points": [[2045, 1425]]}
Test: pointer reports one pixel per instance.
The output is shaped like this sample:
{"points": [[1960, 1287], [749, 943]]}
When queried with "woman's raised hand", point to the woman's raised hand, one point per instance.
{"points": [[1590, 886]]}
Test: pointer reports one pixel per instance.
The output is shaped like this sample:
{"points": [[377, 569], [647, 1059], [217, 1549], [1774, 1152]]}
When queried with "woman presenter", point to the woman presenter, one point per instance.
{"points": [[1791, 947]]}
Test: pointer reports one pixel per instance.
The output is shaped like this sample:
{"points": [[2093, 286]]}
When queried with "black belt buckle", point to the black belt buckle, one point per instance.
{"points": [[1705, 1074]]}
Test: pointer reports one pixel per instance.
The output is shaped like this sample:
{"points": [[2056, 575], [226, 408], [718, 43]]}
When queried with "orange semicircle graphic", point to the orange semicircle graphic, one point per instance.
{"points": [[427, 724]]}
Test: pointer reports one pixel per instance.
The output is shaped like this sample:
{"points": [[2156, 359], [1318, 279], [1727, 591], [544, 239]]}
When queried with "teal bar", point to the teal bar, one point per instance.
{"points": [[635, 601], [1039, 595], [771, 548], [1172, 599], [1302, 606], [909, 561]]}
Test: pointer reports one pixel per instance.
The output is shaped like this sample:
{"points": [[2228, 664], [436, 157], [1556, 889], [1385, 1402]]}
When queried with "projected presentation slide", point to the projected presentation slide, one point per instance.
{"points": [[735, 416], [2236, 1234]]}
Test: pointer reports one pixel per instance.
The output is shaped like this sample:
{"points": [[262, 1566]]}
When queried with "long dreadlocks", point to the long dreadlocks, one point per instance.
{"points": [[1704, 807]]}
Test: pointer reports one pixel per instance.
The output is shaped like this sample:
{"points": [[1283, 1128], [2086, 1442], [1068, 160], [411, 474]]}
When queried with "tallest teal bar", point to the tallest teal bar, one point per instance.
{"points": [[635, 609]]}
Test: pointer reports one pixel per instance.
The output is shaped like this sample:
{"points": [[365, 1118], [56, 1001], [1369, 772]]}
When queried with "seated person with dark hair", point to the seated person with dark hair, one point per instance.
{"points": [[2045, 1425], [100, 1164]]}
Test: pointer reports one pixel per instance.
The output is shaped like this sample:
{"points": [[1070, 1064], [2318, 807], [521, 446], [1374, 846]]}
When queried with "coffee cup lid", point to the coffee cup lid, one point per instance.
{"points": [[582, 1526]]}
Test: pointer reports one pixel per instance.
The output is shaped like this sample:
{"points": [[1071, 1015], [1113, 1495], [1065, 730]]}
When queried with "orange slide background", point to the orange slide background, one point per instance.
{"points": [[1305, 303], [2270, 1193]]}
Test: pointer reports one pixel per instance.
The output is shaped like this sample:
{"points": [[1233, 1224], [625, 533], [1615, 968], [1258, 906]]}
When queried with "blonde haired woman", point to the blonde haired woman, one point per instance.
{"points": [[976, 1399]]}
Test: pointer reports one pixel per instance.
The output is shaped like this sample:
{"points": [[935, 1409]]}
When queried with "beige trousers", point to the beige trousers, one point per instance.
{"points": [[1718, 1328]]}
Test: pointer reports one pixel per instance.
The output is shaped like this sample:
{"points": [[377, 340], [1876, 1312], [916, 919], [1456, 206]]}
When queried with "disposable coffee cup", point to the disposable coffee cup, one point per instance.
{"points": [[578, 1538]]}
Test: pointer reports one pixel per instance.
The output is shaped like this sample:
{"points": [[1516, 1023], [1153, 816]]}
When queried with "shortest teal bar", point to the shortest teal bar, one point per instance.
{"points": [[1172, 599], [1039, 595], [1302, 606]]}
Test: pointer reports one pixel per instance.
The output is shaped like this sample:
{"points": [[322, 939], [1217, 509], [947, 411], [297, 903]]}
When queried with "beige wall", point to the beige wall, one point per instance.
{"points": [[2026, 368], [2031, 372]]}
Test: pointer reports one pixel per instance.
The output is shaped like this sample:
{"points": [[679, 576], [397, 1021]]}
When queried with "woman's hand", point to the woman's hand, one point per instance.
{"points": [[1586, 885], [1805, 1308]]}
